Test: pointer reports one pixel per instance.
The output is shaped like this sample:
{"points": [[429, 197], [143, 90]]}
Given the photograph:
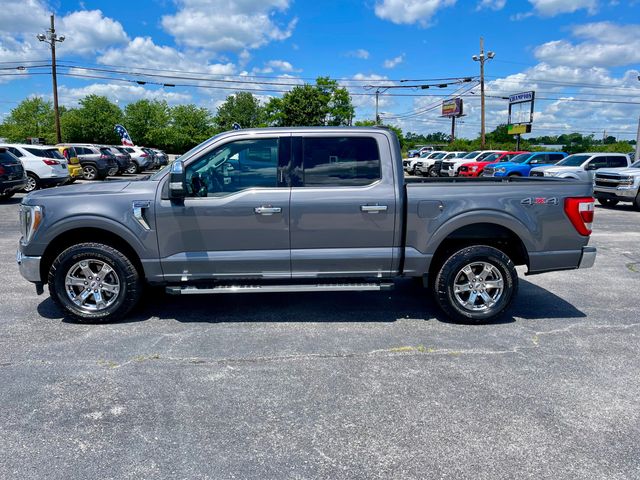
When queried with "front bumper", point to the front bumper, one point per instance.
{"points": [[626, 194], [588, 257], [29, 267]]}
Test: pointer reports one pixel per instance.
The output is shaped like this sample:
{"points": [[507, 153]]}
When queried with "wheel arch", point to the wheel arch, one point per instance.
{"points": [[76, 235]]}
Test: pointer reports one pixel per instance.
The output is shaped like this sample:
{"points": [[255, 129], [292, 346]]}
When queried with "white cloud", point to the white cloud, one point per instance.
{"points": [[491, 4], [359, 53], [121, 94], [23, 17], [550, 8], [604, 44], [89, 31], [410, 11], [142, 52], [272, 65], [394, 62], [219, 25]]}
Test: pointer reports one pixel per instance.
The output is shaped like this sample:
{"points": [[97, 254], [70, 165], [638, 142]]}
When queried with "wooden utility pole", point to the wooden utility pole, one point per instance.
{"points": [[51, 38]]}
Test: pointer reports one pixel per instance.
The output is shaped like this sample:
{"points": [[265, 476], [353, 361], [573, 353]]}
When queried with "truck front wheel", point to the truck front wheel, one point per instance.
{"points": [[94, 283], [476, 284]]}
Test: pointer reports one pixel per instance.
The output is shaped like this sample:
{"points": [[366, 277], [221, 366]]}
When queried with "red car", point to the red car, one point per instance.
{"points": [[474, 169]]}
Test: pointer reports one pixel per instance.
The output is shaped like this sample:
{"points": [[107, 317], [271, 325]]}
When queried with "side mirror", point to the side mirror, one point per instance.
{"points": [[592, 166], [177, 189]]}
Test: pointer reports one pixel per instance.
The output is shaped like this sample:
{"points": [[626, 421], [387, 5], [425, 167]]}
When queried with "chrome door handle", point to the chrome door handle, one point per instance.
{"points": [[267, 210], [373, 208]]}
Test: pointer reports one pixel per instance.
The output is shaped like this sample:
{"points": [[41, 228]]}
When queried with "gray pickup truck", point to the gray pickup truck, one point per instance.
{"points": [[298, 210]]}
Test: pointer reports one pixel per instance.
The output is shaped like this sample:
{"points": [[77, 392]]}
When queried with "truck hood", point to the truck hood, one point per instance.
{"points": [[627, 171], [98, 188], [555, 169]]}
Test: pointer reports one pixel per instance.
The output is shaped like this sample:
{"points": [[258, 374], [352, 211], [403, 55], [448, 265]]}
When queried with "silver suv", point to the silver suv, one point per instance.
{"points": [[582, 166]]}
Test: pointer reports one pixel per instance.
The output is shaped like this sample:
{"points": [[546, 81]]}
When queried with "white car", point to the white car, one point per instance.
{"points": [[410, 168], [45, 165], [450, 167], [140, 160]]}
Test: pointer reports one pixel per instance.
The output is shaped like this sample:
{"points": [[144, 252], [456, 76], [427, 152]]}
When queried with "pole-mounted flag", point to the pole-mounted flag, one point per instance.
{"points": [[124, 135]]}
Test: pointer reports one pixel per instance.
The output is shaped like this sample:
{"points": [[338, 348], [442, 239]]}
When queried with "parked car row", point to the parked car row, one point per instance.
{"points": [[52, 165]]}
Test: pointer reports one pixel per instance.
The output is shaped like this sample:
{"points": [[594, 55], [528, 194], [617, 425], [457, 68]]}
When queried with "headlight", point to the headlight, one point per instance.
{"points": [[626, 180], [501, 169], [473, 169], [549, 174], [30, 219]]}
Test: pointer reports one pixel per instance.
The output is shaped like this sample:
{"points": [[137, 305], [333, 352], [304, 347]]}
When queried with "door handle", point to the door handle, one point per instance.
{"points": [[373, 208], [267, 210]]}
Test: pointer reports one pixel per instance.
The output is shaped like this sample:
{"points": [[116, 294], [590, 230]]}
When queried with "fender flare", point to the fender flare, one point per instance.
{"points": [[481, 217]]}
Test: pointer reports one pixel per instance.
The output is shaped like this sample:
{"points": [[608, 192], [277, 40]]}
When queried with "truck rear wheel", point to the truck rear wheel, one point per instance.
{"points": [[94, 283], [476, 284]]}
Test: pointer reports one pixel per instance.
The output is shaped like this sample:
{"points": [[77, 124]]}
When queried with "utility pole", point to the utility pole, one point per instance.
{"points": [[637, 157], [453, 129], [481, 58], [377, 116], [51, 38]]}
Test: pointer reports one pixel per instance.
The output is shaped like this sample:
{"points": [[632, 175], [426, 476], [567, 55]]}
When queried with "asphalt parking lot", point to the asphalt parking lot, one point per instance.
{"points": [[330, 385]]}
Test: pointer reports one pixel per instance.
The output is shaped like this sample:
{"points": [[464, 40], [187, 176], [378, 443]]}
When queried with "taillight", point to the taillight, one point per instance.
{"points": [[144, 155], [51, 162], [104, 157], [580, 212], [2, 170]]}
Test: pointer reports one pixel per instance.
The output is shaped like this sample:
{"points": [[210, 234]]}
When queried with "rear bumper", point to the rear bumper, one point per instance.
{"points": [[29, 267], [9, 186], [53, 181], [588, 257], [75, 171]]}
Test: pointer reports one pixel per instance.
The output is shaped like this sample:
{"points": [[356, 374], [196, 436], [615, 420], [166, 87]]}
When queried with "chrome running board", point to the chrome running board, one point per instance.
{"points": [[323, 287]]}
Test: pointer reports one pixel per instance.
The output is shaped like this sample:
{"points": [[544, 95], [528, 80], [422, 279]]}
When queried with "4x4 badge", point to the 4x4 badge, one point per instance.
{"points": [[540, 201]]}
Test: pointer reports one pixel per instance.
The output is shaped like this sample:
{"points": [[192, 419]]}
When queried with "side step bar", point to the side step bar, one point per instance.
{"points": [[322, 287]]}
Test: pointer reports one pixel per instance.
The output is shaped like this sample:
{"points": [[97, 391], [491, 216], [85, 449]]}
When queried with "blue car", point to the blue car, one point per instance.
{"points": [[521, 165]]}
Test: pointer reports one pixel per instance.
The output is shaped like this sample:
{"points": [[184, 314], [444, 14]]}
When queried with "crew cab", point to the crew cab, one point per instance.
{"points": [[521, 165], [475, 169], [298, 210], [614, 185]]}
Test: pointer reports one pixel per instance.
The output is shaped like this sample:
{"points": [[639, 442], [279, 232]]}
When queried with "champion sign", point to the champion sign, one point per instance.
{"points": [[521, 97]]}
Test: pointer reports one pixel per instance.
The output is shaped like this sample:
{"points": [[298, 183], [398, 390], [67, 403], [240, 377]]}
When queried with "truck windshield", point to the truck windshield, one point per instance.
{"points": [[439, 155], [635, 165], [472, 154], [523, 157], [573, 161], [492, 158]]}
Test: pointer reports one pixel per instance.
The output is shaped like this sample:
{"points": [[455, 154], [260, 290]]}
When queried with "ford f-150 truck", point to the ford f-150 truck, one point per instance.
{"points": [[300, 209]]}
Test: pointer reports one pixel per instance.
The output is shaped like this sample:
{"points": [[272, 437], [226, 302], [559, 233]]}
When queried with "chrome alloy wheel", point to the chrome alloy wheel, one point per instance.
{"points": [[31, 185], [92, 285], [478, 286]]}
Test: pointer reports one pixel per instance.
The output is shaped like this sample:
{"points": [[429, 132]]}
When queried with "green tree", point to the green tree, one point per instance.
{"points": [[147, 122], [92, 122], [33, 117], [189, 126], [324, 103], [394, 129], [500, 135], [242, 108]]}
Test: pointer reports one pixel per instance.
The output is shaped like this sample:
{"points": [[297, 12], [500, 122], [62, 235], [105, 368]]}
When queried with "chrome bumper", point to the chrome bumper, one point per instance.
{"points": [[29, 267], [588, 257]]}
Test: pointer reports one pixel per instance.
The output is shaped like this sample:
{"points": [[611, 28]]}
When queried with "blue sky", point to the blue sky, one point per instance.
{"points": [[581, 56]]}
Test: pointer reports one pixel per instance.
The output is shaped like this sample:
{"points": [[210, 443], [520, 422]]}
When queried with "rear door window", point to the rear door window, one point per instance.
{"points": [[616, 162], [340, 161], [15, 151]]}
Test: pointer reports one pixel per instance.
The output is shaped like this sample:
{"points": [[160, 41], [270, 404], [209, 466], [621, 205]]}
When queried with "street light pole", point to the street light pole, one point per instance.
{"points": [[51, 38], [482, 58]]}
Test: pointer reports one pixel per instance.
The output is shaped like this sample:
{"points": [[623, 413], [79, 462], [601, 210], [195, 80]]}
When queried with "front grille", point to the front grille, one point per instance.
{"points": [[605, 176], [446, 165], [536, 174]]}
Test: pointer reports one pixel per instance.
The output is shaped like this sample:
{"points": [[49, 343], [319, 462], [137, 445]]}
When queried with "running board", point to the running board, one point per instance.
{"points": [[323, 287]]}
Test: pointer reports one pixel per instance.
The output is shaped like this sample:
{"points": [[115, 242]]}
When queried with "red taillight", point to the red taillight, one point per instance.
{"points": [[104, 157], [580, 212], [51, 162], [2, 170], [144, 155]]}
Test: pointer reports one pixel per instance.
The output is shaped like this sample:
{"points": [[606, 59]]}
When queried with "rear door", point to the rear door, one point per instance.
{"points": [[343, 205]]}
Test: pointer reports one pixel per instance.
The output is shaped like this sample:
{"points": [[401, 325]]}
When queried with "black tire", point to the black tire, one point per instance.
{"points": [[515, 174], [476, 257], [608, 202], [90, 172], [122, 269], [6, 195], [132, 169], [636, 202], [33, 183]]}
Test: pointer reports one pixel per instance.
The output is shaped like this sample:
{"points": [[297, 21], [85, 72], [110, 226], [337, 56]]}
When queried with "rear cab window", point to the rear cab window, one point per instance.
{"points": [[342, 161]]}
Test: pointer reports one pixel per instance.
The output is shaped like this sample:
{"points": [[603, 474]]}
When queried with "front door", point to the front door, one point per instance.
{"points": [[343, 206], [234, 222]]}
